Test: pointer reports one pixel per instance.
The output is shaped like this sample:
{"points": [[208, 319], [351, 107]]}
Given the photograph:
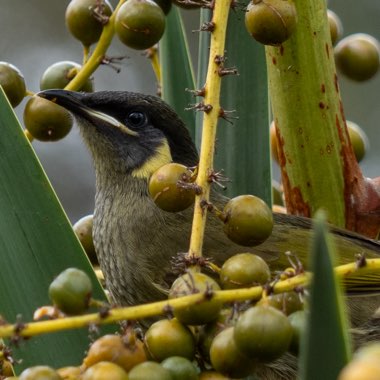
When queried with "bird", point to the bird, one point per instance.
{"points": [[129, 136]]}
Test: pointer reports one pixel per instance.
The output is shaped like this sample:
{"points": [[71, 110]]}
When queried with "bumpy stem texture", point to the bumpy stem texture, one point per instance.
{"points": [[210, 121], [318, 166], [346, 273]]}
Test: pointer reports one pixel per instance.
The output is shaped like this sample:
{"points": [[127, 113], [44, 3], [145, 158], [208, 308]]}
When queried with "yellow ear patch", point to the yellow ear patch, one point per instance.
{"points": [[161, 157]]}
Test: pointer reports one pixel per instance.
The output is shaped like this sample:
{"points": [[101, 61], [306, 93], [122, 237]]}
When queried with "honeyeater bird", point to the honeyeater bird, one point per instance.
{"points": [[130, 135]]}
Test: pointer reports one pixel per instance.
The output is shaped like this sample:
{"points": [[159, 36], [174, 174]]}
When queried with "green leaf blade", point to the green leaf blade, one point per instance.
{"points": [[325, 347], [36, 244], [175, 58]]}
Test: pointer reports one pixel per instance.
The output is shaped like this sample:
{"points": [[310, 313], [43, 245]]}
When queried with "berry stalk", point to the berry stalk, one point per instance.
{"points": [[211, 108], [98, 54], [344, 273]]}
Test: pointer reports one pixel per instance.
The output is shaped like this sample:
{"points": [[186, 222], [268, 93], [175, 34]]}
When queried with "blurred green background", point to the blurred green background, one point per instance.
{"points": [[34, 36]]}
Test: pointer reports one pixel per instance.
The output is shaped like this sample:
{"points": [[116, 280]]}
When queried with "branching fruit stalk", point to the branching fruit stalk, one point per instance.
{"points": [[211, 108], [158, 308], [96, 58], [318, 165]]}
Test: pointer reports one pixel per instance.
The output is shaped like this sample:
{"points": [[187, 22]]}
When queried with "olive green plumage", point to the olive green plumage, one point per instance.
{"points": [[129, 136]]}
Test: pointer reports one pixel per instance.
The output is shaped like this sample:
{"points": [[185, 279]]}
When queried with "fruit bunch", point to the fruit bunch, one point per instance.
{"points": [[272, 22], [199, 340], [139, 24], [205, 340]]}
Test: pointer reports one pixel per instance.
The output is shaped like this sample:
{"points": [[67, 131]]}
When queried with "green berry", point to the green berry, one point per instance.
{"points": [[166, 338], [358, 57], [359, 140], [298, 323], [83, 230], [140, 24], [248, 220], [202, 312], [60, 74], [226, 357], [244, 270], [170, 187], [13, 83], [40, 372], [287, 302], [336, 28], [271, 22], [180, 368], [84, 19], [71, 291], [149, 370], [263, 332], [105, 370], [45, 120]]}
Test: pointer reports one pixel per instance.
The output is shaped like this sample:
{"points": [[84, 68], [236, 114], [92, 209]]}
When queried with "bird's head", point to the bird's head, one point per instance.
{"points": [[128, 132]]}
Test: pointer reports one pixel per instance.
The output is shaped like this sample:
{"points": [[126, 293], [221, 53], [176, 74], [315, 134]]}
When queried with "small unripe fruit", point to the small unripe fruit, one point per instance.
{"points": [[70, 373], [180, 368], [105, 370], [170, 187], [140, 24], [226, 318], [166, 338], [149, 370], [336, 28], [60, 74], [248, 220], [358, 57], [244, 270], [361, 369], [83, 230], [365, 364], [271, 22], [71, 291], [227, 358], [202, 312], [45, 120], [263, 332], [124, 351], [273, 142], [298, 323], [39, 372], [13, 83], [369, 351], [287, 302], [6, 368], [82, 21], [359, 140]]}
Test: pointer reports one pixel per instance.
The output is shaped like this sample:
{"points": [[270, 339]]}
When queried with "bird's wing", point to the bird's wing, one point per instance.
{"points": [[294, 234]]}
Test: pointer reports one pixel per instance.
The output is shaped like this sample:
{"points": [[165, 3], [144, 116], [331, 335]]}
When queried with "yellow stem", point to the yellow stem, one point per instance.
{"points": [[86, 54], [97, 56], [210, 121], [159, 308], [152, 54]]}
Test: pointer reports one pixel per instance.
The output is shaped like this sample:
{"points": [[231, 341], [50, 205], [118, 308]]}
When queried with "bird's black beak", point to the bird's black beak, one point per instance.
{"points": [[73, 102]]}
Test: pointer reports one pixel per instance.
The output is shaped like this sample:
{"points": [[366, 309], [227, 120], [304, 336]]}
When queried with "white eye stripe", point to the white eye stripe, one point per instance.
{"points": [[110, 120]]}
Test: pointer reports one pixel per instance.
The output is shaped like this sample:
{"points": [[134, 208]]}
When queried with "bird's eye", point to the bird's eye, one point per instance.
{"points": [[136, 119]]}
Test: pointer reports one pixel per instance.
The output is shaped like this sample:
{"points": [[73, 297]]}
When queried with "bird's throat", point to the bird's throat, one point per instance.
{"points": [[161, 157]]}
